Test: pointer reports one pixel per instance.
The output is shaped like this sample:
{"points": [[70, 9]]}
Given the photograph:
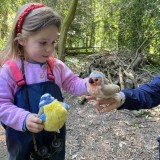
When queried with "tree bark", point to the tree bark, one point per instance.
{"points": [[64, 29]]}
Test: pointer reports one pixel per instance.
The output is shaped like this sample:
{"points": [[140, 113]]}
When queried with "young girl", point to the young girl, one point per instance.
{"points": [[28, 71]]}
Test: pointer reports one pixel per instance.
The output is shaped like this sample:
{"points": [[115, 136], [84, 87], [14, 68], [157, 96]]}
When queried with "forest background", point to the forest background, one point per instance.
{"points": [[121, 38], [128, 26]]}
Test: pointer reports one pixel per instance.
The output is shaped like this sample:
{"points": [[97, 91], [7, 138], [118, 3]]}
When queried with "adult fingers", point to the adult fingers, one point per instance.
{"points": [[109, 108], [90, 98], [97, 112], [103, 101], [97, 107]]}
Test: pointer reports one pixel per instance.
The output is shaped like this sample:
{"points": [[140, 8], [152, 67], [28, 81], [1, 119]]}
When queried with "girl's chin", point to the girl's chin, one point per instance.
{"points": [[43, 60], [45, 57]]}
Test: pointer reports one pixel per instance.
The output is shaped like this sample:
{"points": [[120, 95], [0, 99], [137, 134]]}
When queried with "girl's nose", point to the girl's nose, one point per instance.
{"points": [[49, 48]]}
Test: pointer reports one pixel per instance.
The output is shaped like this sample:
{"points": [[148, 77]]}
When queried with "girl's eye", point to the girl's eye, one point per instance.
{"points": [[42, 43], [53, 42]]}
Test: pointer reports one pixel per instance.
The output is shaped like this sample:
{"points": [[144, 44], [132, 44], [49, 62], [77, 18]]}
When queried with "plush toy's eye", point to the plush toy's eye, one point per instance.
{"points": [[96, 79]]}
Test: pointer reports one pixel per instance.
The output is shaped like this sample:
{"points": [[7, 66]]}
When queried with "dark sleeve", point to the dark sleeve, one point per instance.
{"points": [[144, 97]]}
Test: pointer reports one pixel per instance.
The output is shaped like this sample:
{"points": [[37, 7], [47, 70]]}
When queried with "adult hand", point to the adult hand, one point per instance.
{"points": [[105, 105]]}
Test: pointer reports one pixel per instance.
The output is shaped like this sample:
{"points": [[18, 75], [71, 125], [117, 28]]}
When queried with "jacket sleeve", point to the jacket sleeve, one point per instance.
{"points": [[144, 97], [68, 80], [10, 114]]}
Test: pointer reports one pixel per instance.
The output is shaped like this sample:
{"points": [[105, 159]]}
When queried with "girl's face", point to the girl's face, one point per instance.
{"points": [[38, 47]]}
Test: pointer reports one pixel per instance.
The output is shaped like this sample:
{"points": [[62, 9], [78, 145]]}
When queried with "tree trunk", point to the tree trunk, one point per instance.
{"points": [[64, 29]]}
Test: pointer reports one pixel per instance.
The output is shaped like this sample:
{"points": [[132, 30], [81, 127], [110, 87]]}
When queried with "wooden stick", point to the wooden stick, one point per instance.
{"points": [[130, 76], [121, 78], [34, 142]]}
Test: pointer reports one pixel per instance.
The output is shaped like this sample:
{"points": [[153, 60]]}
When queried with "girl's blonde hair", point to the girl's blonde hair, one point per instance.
{"points": [[36, 20]]}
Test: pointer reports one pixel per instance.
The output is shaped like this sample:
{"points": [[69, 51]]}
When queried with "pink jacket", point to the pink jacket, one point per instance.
{"points": [[13, 116]]}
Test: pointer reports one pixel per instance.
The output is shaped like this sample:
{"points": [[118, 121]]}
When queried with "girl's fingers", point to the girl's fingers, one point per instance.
{"points": [[35, 119], [35, 128]]}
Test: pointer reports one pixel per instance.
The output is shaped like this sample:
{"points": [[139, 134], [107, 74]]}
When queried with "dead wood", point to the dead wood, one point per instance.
{"points": [[136, 63], [131, 77], [121, 78], [119, 69]]}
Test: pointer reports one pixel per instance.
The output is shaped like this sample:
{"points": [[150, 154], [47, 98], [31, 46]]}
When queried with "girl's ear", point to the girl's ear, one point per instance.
{"points": [[21, 40]]}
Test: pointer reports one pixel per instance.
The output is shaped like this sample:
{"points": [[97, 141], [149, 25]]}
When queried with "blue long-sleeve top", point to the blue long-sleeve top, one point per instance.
{"points": [[144, 97]]}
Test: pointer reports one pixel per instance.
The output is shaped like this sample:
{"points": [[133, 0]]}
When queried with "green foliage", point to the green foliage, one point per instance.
{"points": [[136, 125], [122, 25], [8, 8], [144, 113]]}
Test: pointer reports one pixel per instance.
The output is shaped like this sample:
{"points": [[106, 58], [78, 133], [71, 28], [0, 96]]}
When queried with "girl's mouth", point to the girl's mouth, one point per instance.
{"points": [[45, 56]]}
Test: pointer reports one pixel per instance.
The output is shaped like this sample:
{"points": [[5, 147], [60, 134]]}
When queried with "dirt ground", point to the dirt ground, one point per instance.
{"points": [[117, 135]]}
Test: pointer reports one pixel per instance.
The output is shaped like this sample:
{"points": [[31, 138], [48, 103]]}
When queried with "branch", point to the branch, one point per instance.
{"points": [[137, 51], [121, 78]]}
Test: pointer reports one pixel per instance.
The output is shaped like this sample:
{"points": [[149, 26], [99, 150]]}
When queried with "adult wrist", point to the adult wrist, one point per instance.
{"points": [[123, 97]]}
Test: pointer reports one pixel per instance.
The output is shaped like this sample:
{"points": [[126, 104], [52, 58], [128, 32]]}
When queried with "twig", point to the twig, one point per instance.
{"points": [[130, 76], [109, 76], [121, 78], [137, 51]]}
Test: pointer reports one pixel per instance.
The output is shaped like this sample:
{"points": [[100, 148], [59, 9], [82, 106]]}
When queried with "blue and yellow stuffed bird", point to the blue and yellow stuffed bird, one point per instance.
{"points": [[52, 112]]}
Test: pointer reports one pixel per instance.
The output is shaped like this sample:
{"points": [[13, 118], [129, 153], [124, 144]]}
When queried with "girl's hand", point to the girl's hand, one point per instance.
{"points": [[105, 105], [33, 123]]}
